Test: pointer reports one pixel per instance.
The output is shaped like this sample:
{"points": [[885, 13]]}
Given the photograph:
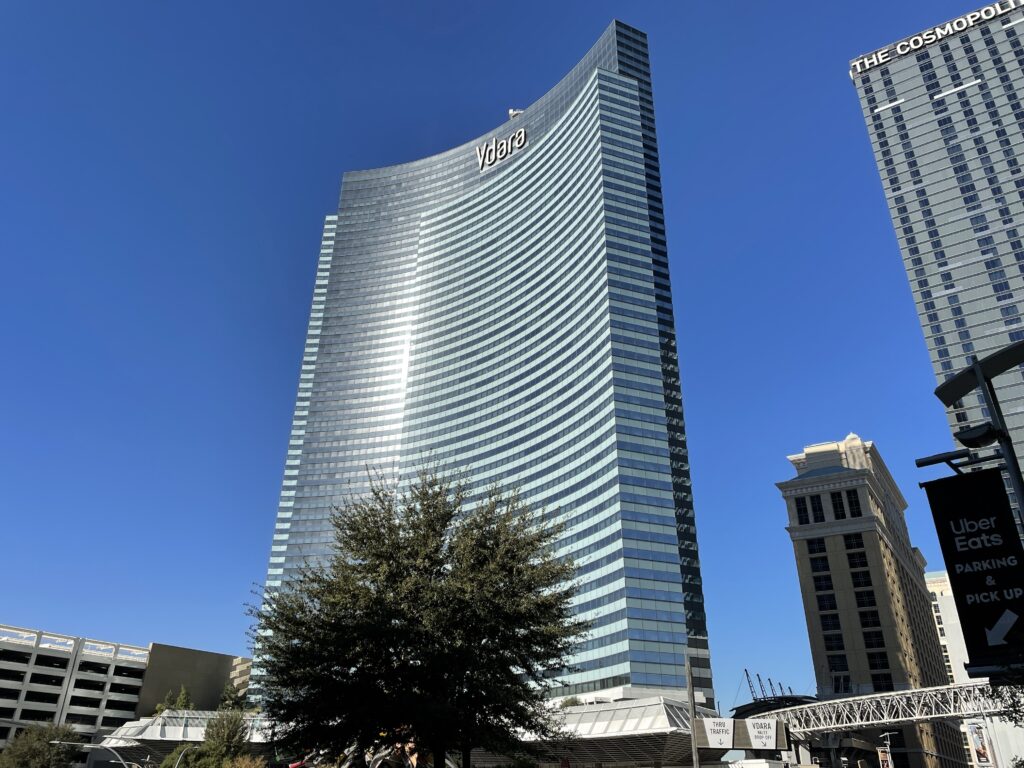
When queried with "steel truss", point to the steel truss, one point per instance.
{"points": [[880, 710]]}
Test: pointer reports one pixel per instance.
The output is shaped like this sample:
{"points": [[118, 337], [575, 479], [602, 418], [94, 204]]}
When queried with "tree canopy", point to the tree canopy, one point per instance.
{"points": [[1011, 699], [440, 620], [231, 697], [31, 748], [180, 700]]}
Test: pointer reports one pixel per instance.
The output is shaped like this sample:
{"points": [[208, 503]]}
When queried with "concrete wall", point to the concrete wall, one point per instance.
{"points": [[202, 673]]}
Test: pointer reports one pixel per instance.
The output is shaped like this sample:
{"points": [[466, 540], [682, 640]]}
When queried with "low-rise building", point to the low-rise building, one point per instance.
{"points": [[96, 686]]}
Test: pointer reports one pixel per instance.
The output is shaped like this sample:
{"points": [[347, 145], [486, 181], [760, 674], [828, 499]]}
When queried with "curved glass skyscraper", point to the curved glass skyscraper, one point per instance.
{"points": [[503, 308]]}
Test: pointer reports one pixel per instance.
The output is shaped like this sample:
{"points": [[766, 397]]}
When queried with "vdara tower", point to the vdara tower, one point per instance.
{"points": [[503, 309]]}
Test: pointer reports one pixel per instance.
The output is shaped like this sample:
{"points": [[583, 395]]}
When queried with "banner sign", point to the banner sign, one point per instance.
{"points": [[981, 750], [985, 561]]}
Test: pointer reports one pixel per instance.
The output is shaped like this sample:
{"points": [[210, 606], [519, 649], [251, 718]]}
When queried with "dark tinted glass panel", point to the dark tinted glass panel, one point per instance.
{"points": [[874, 640], [838, 663], [801, 511], [838, 509], [817, 511], [815, 546], [861, 578], [853, 500]]}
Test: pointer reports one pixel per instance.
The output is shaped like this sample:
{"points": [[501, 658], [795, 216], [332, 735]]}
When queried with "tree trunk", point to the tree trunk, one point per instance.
{"points": [[466, 757]]}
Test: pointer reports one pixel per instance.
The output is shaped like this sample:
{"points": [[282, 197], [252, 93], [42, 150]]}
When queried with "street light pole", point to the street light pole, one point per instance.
{"points": [[988, 394], [888, 745], [979, 375], [692, 702]]}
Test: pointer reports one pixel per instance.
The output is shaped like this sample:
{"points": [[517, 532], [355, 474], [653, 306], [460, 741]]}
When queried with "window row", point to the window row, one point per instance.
{"points": [[810, 508]]}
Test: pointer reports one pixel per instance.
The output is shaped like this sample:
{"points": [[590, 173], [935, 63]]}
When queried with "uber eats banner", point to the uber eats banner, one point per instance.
{"points": [[985, 560]]}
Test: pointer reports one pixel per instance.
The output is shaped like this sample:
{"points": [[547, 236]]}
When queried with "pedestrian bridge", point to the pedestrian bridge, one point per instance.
{"points": [[881, 710]]}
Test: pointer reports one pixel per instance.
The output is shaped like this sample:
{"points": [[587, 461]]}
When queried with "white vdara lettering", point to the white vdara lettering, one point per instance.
{"points": [[933, 35], [494, 151]]}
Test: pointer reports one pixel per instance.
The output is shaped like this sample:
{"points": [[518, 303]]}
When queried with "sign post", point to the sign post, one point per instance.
{"points": [[985, 561]]}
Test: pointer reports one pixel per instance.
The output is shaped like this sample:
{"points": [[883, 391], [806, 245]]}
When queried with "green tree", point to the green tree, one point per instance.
{"points": [[181, 700], [226, 738], [246, 761], [437, 621], [1011, 701], [31, 748], [231, 698], [224, 744], [190, 760], [167, 703], [184, 700]]}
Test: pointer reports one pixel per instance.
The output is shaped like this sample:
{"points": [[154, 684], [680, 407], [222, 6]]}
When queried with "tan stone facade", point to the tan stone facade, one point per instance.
{"points": [[241, 667], [868, 612]]}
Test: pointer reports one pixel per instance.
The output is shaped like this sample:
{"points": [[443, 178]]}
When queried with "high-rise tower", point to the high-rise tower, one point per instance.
{"points": [[503, 309], [944, 112], [867, 608]]}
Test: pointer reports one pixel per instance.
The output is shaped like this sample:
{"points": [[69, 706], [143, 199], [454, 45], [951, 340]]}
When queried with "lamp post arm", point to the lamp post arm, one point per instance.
{"points": [[186, 749], [121, 759]]}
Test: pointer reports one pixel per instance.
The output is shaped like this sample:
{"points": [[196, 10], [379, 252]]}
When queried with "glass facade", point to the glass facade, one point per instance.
{"points": [[944, 112], [509, 315]]}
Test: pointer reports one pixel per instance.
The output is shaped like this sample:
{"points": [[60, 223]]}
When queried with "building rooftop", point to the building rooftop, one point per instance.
{"points": [[54, 641]]}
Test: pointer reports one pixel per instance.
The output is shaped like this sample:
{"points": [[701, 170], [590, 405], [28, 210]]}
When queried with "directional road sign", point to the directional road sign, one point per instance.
{"points": [[985, 560], [723, 733]]}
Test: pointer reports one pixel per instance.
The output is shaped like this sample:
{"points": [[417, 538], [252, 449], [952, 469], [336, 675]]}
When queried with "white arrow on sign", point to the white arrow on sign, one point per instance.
{"points": [[997, 635]]}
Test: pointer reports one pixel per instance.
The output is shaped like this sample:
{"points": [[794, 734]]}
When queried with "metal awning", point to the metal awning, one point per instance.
{"points": [[635, 732]]}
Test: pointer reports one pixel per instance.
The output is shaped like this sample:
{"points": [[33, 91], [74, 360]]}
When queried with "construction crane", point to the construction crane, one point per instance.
{"points": [[761, 685], [750, 685]]}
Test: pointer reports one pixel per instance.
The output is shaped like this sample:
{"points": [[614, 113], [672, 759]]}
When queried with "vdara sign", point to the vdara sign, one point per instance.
{"points": [[495, 151], [933, 35]]}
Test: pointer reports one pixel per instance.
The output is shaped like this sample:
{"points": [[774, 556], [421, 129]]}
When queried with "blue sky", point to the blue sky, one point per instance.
{"points": [[164, 172]]}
